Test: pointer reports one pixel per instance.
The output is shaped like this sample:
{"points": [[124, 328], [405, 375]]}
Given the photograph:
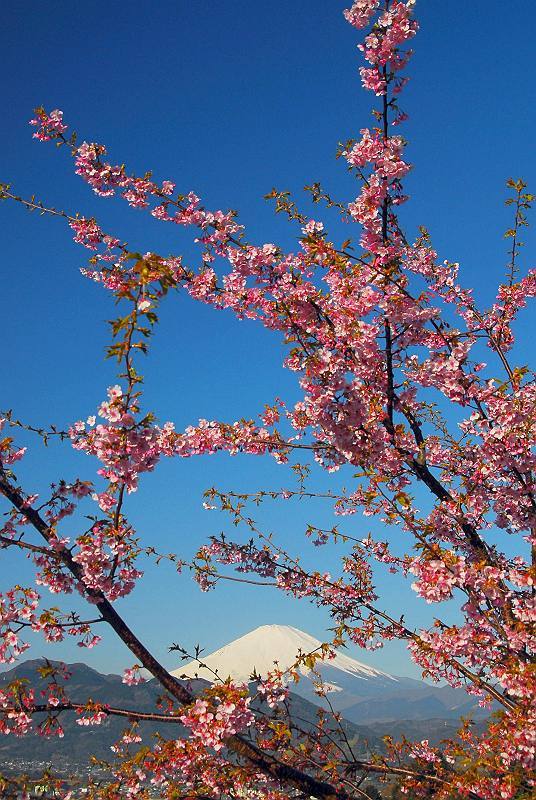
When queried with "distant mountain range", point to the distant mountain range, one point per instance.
{"points": [[372, 703], [80, 742], [360, 692]]}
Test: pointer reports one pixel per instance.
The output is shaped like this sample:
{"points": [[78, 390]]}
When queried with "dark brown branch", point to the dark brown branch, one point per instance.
{"points": [[5, 541], [137, 716]]}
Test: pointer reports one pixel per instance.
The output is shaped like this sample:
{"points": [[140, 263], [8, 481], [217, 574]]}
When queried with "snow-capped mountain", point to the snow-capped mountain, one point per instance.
{"points": [[361, 692], [260, 649]]}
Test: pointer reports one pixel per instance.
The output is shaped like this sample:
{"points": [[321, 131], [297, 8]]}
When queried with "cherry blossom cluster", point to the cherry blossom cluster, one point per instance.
{"points": [[9, 452], [435, 580], [89, 234], [132, 676], [19, 611], [51, 571], [15, 721], [218, 227], [130, 736], [49, 126], [187, 766], [424, 752], [105, 557], [360, 13], [93, 714], [16, 605], [102, 177], [394, 27], [272, 690], [18, 704], [214, 720], [124, 447]]}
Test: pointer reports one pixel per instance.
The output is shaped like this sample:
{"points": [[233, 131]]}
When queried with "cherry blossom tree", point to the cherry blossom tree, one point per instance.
{"points": [[398, 370]]}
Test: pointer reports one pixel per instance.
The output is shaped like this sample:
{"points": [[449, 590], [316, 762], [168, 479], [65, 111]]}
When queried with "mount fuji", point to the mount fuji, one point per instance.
{"points": [[360, 692], [264, 648]]}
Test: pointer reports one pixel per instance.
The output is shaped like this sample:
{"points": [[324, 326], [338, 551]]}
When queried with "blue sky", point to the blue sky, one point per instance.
{"points": [[229, 99]]}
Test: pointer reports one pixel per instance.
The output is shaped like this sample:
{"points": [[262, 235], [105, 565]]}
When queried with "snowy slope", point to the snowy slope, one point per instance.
{"points": [[258, 650]]}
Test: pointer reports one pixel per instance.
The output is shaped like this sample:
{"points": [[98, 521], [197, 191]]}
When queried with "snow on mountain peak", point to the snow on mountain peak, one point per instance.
{"points": [[259, 649]]}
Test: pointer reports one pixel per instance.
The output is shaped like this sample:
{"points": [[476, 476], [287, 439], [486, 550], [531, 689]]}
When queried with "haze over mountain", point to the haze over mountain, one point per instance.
{"points": [[360, 692]]}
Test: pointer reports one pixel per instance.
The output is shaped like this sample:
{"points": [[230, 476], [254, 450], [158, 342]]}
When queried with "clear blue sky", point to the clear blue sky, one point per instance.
{"points": [[228, 99]]}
